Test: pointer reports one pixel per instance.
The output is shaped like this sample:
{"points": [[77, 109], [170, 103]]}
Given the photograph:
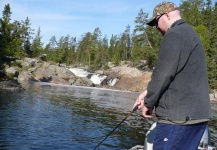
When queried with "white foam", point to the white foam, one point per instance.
{"points": [[112, 81], [97, 78], [79, 72]]}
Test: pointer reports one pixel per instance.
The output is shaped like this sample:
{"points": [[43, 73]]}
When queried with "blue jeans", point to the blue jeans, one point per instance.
{"points": [[178, 137]]}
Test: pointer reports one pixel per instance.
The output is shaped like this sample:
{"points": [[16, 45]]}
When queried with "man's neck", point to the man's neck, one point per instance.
{"points": [[174, 20]]}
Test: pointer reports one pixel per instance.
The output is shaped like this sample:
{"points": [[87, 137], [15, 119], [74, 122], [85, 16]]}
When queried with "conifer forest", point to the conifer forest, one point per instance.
{"points": [[19, 40]]}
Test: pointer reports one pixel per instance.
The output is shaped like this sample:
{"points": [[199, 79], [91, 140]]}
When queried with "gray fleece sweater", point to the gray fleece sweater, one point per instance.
{"points": [[179, 83]]}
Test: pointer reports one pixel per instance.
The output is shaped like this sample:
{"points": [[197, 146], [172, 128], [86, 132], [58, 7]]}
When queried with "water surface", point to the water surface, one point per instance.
{"points": [[63, 117]]}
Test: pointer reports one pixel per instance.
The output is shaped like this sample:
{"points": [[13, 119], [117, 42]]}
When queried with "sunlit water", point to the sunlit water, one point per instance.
{"points": [[64, 117]]}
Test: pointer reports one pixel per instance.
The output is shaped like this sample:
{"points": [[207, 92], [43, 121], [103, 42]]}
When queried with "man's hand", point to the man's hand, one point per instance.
{"points": [[146, 112], [140, 100]]}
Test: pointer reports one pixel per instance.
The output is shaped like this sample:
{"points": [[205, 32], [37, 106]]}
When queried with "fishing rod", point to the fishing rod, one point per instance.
{"points": [[134, 109]]}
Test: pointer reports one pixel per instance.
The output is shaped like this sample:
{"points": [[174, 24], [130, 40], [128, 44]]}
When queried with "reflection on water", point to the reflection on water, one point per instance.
{"points": [[63, 117]]}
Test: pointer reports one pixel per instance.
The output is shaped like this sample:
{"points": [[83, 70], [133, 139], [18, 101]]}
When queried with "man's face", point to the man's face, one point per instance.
{"points": [[160, 23]]}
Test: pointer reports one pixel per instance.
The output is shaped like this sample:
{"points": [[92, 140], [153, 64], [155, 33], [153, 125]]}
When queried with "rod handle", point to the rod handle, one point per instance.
{"points": [[136, 107]]}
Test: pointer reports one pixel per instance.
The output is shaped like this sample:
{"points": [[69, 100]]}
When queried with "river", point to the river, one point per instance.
{"points": [[48, 116]]}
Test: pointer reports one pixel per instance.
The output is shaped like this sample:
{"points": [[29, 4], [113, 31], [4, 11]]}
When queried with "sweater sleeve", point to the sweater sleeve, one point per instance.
{"points": [[165, 69]]}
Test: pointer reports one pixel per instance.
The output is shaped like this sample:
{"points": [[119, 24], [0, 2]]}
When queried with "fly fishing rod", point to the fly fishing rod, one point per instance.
{"points": [[134, 109]]}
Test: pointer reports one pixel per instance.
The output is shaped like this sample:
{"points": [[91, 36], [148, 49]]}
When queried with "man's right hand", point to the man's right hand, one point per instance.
{"points": [[146, 112]]}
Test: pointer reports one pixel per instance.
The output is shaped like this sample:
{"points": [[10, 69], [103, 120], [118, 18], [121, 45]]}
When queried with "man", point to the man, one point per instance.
{"points": [[178, 90]]}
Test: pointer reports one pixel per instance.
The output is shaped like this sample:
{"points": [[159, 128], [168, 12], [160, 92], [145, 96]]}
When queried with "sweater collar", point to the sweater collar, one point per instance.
{"points": [[176, 23]]}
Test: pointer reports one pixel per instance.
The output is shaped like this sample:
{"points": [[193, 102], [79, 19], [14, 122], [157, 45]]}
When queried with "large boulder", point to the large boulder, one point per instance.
{"points": [[29, 62], [13, 71], [59, 75], [83, 81], [127, 71], [25, 76], [64, 73], [43, 74], [133, 83], [127, 78], [10, 86]]}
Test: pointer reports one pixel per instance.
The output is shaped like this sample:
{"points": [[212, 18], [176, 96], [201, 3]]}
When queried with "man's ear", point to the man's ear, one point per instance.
{"points": [[167, 15]]}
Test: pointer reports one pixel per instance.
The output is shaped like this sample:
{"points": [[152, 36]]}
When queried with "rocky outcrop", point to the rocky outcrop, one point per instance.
{"points": [[10, 86], [48, 72], [137, 84], [123, 77], [129, 79]]}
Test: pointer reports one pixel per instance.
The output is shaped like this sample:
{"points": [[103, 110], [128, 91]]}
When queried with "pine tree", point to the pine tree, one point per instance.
{"points": [[37, 45], [141, 38], [72, 55], [5, 31], [212, 52], [10, 36], [191, 11], [27, 33], [83, 50]]}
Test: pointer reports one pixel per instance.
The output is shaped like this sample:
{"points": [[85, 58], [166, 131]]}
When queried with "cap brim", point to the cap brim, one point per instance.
{"points": [[151, 22]]}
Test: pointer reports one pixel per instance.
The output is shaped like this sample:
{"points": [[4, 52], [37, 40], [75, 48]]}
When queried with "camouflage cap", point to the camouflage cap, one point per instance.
{"points": [[161, 9]]}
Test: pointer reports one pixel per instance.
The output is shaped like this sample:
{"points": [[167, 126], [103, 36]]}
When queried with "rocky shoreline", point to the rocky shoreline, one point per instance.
{"points": [[11, 85], [122, 77]]}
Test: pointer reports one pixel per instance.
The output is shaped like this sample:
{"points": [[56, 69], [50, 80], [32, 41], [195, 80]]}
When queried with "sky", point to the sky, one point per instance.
{"points": [[77, 17]]}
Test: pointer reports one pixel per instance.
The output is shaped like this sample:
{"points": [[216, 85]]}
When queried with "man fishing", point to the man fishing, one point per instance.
{"points": [[178, 90]]}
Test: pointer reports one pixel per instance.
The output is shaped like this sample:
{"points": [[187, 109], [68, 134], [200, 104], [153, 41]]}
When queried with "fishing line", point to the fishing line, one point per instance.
{"points": [[134, 109]]}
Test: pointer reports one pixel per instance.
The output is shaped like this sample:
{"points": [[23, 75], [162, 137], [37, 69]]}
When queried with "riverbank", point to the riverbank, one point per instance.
{"points": [[125, 77]]}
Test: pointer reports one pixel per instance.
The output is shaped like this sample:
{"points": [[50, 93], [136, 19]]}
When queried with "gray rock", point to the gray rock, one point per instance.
{"points": [[10, 86], [83, 82], [211, 96], [64, 73], [12, 70], [25, 76], [29, 62]]}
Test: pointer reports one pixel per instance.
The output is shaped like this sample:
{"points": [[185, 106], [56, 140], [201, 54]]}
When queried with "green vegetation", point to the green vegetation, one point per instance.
{"points": [[18, 40]]}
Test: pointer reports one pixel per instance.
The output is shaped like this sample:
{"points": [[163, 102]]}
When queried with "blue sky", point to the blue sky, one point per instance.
{"points": [[76, 17]]}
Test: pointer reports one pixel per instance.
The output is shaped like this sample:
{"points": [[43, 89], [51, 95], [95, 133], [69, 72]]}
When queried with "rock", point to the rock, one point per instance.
{"points": [[128, 78], [54, 74], [83, 82], [125, 63], [110, 64], [87, 82], [64, 73], [43, 57], [25, 76], [63, 65], [137, 84], [12, 70], [43, 74], [29, 62], [72, 81], [127, 71], [10, 86], [57, 80], [211, 96], [215, 95]]}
